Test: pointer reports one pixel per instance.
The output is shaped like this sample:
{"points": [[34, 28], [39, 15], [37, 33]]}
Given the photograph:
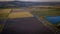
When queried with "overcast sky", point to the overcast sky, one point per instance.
{"points": [[35, 0], [41, 0]]}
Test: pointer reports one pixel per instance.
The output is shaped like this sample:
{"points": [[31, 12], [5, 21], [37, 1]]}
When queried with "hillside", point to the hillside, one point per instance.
{"points": [[14, 4]]}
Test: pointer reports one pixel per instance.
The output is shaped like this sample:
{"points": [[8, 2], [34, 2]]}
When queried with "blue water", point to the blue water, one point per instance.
{"points": [[53, 19]]}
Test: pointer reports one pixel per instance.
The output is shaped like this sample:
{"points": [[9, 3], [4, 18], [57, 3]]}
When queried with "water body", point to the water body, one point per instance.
{"points": [[53, 19]]}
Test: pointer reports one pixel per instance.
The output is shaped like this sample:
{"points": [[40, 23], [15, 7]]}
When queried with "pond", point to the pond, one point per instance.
{"points": [[53, 19]]}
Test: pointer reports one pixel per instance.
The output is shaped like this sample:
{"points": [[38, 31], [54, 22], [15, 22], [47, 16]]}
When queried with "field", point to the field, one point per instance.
{"points": [[8, 13], [46, 12], [28, 14], [20, 15]]}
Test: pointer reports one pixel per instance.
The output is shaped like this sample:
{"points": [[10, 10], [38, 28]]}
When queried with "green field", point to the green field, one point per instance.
{"points": [[46, 12]]}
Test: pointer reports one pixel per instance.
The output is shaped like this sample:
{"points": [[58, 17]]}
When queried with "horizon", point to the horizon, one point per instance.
{"points": [[33, 0]]}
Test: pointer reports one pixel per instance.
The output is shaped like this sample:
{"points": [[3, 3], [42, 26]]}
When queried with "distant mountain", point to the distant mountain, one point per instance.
{"points": [[25, 4]]}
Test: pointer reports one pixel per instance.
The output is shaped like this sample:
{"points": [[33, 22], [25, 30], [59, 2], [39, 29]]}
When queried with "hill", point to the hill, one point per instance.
{"points": [[13, 4]]}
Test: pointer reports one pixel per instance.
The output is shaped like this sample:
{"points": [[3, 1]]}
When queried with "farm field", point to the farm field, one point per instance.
{"points": [[20, 15], [46, 12], [27, 18]]}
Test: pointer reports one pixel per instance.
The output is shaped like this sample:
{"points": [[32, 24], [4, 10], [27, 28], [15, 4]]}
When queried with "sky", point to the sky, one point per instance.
{"points": [[35, 0], [42, 0]]}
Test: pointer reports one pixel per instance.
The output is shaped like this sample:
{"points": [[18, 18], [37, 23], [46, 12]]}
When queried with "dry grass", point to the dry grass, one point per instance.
{"points": [[4, 11], [20, 15]]}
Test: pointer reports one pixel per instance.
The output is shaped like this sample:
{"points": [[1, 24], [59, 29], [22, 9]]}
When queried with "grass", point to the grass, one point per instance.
{"points": [[52, 12]]}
